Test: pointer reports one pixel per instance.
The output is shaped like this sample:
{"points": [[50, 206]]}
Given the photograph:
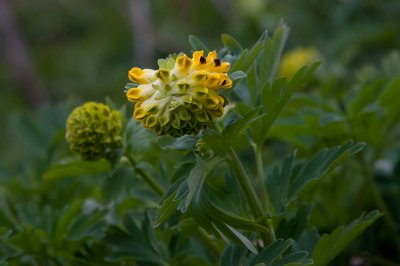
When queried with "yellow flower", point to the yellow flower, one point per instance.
{"points": [[181, 97], [295, 59], [94, 130]]}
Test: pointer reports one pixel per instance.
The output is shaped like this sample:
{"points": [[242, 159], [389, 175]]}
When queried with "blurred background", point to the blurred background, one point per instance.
{"points": [[56, 54], [54, 50]]}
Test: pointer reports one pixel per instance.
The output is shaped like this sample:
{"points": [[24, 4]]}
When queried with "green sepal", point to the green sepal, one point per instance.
{"points": [[197, 45], [231, 44]]}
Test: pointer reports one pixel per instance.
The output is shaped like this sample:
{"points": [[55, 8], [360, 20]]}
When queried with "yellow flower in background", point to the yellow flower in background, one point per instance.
{"points": [[181, 97], [94, 130], [295, 59]]}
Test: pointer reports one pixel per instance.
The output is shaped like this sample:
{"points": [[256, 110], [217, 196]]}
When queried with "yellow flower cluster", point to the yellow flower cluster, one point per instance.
{"points": [[94, 130], [296, 59], [181, 97]]}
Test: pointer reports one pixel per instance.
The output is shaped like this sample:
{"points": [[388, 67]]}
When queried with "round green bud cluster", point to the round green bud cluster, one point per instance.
{"points": [[94, 130]]}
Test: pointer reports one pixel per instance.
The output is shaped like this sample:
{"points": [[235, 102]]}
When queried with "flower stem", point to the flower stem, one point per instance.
{"points": [[151, 181], [245, 183], [205, 238], [157, 188], [263, 190], [260, 175], [249, 194]]}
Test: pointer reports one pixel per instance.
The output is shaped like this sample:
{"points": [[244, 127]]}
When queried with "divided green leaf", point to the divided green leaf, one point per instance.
{"points": [[271, 253], [271, 55], [329, 246], [113, 185], [77, 168], [166, 210], [283, 187], [324, 161]]}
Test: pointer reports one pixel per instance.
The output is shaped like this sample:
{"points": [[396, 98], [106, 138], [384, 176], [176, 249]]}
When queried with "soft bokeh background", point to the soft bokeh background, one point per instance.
{"points": [[83, 50], [52, 51], [55, 54], [60, 52]]}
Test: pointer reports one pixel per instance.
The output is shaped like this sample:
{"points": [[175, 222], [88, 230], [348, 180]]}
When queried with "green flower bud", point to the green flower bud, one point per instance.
{"points": [[203, 149], [94, 131]]}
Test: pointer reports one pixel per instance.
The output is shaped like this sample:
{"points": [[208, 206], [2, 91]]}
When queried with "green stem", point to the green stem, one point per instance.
{"points": [[157, 188], [271, 230], [205, 237], [216, 126], [263, 190], [380, 203], [249, 193], [245, 183], [260, 175], [151, 181]]}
